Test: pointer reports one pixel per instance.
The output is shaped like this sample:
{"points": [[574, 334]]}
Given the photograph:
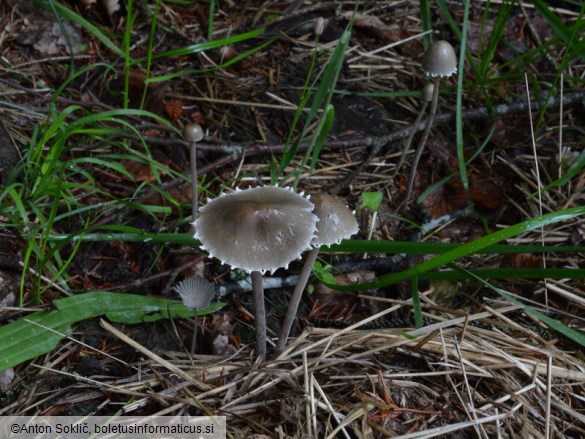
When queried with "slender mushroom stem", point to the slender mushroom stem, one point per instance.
{"points": [[194, 341], [427, 96], [193, 133], [424, 138], [259, 314], [194, 181], [295, 300]]}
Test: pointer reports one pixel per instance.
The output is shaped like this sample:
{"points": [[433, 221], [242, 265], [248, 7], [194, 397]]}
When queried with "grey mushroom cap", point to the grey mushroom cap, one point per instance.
{"points": [[196, 292], [440, 59], [336, 221], [258, 229], [193, 132]]}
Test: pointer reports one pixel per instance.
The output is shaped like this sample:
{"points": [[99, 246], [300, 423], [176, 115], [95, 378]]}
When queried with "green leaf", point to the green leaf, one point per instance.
{"points": [[323, 273], [40, 332], [372, 200]]}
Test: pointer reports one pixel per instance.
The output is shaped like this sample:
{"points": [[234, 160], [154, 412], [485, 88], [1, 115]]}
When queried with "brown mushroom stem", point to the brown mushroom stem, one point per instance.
{"points": [[194, 182], [408, 141], [295, 299], [259, 314], [423, 139]]}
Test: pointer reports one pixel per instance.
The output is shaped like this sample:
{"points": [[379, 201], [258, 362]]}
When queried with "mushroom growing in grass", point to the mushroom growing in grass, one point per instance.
{"points": [[438, 61], [193, 133], [196, 293], [336, 222], [257, 230]]}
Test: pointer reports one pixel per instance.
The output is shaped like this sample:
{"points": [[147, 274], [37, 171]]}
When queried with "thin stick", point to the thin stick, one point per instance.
{"points": [[295, 299], [259, 314]]}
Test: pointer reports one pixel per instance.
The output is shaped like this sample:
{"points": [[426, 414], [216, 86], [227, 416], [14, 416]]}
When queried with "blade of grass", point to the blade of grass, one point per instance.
{"points": [[553, 323], [40, 332], [465, 249], [70, 15], [567, 34], [130, 234], [208, 45], [459, 106]]}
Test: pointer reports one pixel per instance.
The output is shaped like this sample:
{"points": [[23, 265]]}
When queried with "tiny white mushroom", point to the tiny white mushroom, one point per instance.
{"points": [[196, 293], [336, 222]]}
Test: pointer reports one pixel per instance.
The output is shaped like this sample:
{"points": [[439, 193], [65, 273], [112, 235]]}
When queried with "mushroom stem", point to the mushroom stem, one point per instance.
{"points": [[194, 341], [410, 137], [194, 182], [295, 299], [259, 314], [423, 139]]}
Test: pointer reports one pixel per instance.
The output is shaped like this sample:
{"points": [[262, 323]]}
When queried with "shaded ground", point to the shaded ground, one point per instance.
{"points": [[367, 383]]}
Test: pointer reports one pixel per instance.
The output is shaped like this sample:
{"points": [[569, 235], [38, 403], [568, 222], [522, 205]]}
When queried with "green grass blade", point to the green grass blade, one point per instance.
{"points": [[70, 15], [40, 332], [567, 34], [422, 248], [130, 234], [459, 105], [426, 21], [208, 45], [465, 249], [553, 323]]}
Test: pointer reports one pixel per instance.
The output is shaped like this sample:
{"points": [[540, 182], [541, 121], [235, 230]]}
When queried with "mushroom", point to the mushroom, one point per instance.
{"points": [[196, 293], [336, 222], [257, 230], [193, 133], [438, 61]]}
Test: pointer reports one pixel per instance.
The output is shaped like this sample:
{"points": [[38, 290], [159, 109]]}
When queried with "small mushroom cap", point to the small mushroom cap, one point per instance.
{"points": [[440, 59], [193, 132], [196, 292], [257, 229], [336, 221]]}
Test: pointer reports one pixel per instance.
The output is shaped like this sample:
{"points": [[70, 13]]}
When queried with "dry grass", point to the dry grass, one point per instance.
{"points": [[448, 379]]}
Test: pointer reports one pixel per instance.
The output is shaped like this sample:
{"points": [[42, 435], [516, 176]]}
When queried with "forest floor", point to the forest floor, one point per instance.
{"points": [[318, 96]]}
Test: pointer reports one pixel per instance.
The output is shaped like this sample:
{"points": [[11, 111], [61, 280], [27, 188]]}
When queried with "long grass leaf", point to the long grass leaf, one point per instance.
{"points": [[40, 332], [465, 249]]}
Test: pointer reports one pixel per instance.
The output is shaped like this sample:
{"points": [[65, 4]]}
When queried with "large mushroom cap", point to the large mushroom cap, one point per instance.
{"points": [[336, 221], [440, 59], [257, 229]]}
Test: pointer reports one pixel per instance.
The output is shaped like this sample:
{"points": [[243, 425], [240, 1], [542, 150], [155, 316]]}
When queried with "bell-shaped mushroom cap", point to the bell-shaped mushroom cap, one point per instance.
{"points": [[336, 221], [193, 132], [257, 229], [440, 59]]}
